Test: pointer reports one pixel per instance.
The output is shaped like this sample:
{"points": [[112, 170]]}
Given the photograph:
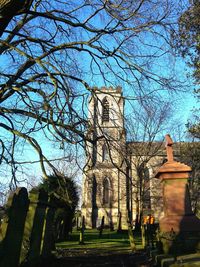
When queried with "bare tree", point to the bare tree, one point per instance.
{"points": [[52, 51], [146, 153]]}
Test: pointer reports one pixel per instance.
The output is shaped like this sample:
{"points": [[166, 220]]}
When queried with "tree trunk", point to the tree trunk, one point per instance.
{"points": [[11, 8]]}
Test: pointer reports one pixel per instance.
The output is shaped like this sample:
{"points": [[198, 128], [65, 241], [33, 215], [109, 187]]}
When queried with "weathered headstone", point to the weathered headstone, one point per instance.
{"points": [[48, 243], [81, 239], [101, 226], [33, 198], [40, 201], [27, 230], [17, 208]]}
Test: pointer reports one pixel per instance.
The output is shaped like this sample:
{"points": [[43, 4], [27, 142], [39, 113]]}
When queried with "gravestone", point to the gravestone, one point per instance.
{"points": [[101, 226], [179, 227], [39, 203], [49, 239], [81, 238], [27, 230], [33, 198], [17, 207]]}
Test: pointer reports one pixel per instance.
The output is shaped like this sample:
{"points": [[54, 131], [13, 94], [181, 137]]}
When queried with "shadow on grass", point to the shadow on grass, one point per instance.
{"points": [[98, 259], [109, 241], [94, 234], [111, 250]]}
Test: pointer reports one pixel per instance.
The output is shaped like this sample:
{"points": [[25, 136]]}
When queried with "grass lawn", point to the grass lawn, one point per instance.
{"points": [[110, 242]]}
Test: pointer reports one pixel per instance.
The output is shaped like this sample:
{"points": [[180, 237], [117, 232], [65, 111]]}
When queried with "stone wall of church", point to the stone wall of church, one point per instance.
{"points": [[95, 205], [151, 197], [113, 172]]}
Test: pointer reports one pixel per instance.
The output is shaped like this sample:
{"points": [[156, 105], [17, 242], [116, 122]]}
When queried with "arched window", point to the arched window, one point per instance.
{"points": [[106, 191], [105, 153], [105, 110]]}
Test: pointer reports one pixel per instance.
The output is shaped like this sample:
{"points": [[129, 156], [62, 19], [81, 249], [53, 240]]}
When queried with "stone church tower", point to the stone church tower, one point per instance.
{"points": [[104, 185], [119, 181]]}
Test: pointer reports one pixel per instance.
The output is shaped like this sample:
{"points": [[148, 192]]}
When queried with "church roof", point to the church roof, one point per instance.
{"points": [[151, 148]]}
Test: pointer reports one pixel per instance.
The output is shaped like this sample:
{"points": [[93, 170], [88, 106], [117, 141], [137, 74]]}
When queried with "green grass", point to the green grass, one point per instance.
{"points": [[110, 241]]}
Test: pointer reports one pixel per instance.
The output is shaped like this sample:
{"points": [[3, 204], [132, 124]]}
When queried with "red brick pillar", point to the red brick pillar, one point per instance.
{"points": [[178, 214], [179, 227]]}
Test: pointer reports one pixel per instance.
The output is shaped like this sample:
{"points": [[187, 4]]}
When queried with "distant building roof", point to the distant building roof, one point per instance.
{"points": [[151, 148]]}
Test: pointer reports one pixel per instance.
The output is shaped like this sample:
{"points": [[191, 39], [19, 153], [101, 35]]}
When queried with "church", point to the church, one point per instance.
{"points": [[118, 182]]}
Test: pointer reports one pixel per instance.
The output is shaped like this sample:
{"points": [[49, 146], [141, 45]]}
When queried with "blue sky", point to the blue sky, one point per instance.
{"points": [[145, 43]]}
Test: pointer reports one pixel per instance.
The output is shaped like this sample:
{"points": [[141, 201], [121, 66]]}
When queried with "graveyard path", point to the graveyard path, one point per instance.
{"points": [[92, 258]]}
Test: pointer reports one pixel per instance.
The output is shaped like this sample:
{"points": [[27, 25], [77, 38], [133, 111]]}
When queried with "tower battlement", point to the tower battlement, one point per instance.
{"points": [[110, 89]]}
